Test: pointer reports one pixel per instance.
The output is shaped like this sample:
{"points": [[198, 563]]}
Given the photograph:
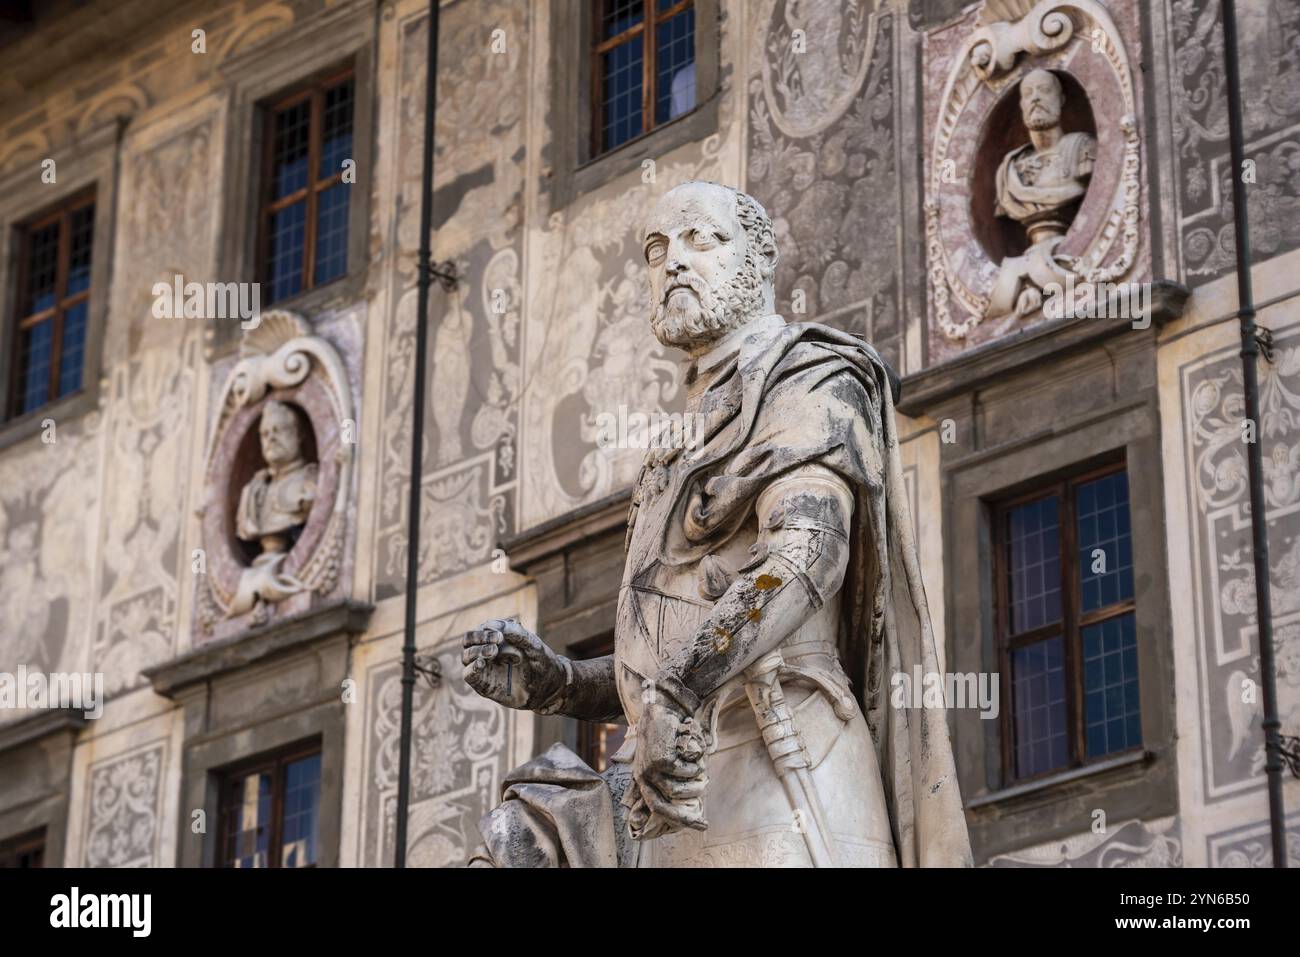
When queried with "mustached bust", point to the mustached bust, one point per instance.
{"points": [[279, 497], [711, 254], [1039, 186]]}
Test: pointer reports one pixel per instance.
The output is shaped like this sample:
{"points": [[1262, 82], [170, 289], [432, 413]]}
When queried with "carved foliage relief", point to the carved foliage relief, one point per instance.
{"points": [[820, 157], [1220, 518], [1269, 41], [972, 75], [122, 817]]}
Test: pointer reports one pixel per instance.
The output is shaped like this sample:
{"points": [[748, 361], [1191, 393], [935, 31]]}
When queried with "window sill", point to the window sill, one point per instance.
{"points": [[63, 411], [1054, 781], [694, 126]]}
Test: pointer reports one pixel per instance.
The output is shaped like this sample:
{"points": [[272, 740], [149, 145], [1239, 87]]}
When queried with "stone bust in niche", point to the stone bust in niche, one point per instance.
{"points": [[274, 504], [1039, 185]]}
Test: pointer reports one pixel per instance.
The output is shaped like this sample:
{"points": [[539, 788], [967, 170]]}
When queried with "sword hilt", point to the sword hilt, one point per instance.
{"points": [[789, 756], [784, 744]]}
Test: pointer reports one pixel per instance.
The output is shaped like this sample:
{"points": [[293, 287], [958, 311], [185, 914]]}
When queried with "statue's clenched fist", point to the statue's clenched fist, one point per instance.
{"points": [[508, 664]]}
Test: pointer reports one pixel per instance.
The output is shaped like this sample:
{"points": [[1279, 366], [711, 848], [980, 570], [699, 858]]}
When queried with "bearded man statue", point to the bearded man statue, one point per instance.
{"points": [[758, 560]]}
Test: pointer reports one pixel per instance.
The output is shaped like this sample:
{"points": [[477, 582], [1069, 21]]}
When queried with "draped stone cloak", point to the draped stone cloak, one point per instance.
{"points": [[812, 394], [798, 394]]}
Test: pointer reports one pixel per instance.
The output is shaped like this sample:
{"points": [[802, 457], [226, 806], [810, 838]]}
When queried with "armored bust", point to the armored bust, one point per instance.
{"points": [[756, 558], [277, 498], [1039, 185]]}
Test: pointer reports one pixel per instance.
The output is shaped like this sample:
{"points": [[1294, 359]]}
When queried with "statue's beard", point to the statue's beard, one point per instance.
{"points": [[681, 322], [1041, 119]]}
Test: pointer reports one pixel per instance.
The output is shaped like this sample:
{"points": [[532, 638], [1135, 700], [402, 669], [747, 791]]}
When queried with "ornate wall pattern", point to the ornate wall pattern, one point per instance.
{"points": [[1217, 489], [547, 330], [1269, 39], [48, 500], [470, 462], [1130, 844], [123, 809], [820, 157], [460, 753], [1251, 846], [151, 408], [165, 228], [588, 345], [41, 116]]}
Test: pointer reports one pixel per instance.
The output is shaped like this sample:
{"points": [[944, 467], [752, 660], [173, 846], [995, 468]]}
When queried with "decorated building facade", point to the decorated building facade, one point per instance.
{"points": [[209, 226]]}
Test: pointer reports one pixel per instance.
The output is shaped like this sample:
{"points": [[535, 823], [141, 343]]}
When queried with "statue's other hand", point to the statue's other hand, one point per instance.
{"points": [[669, 770], [508, 664]]}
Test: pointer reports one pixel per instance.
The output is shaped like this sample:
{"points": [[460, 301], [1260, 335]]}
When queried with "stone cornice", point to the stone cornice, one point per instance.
{"points": [[258, 644], [534, 545], [923, 390], [40, 725]]}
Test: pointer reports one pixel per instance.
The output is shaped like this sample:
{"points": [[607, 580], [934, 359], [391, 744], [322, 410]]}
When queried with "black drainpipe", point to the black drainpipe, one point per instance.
{"points": [[446, 276], [1251, 339]]}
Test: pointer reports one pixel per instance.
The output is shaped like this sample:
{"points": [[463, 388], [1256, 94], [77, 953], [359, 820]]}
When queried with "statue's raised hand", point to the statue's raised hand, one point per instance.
{"points": [[508, 664]]}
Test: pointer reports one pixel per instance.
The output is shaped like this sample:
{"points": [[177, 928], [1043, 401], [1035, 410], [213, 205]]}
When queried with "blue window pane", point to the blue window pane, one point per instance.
{"points": [[288, 237], [34, 347], [619, 15], [292, 135], [620, 90], [336, 133], [1105, 542], [1034, 564], [332, 233], [73, 348], [1112, 711], [1038, 707], [675, 66], [42, 269], [82, 227], [301, 811], [248, 827]]}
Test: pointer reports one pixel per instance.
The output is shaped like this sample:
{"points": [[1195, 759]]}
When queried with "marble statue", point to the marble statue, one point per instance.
{"points": [[759, 560], [275, 502], [1039, 185]]}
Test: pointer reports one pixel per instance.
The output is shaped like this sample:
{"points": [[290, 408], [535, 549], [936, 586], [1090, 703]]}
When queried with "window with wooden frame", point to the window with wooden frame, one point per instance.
{"points": [[25, 850], [597, 740], [48, 342], [303, 216], [1067, 639], [642, 68], [270, 810]]}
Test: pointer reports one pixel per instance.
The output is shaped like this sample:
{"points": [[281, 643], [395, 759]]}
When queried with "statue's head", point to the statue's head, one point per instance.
{"points": [[1041, 99], [281, 441], [711, 253]]}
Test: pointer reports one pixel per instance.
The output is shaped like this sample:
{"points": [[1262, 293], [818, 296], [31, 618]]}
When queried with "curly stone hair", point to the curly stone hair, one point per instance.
{"points": [[758, 230]]}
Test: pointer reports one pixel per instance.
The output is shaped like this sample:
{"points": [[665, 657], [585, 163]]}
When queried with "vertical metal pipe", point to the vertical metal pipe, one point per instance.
{"points": [[1254, 452], [417, 438]]}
